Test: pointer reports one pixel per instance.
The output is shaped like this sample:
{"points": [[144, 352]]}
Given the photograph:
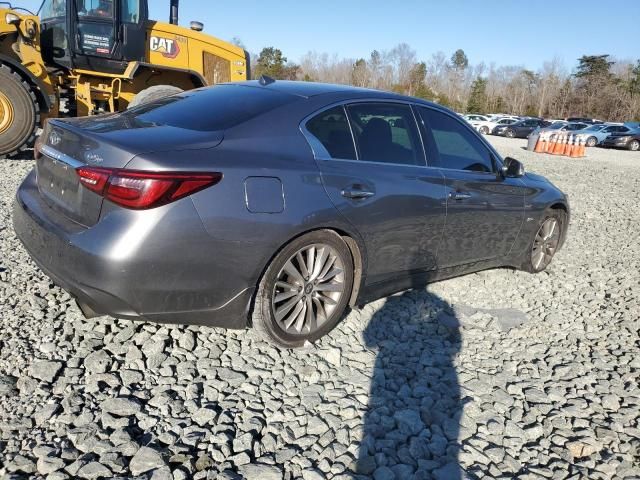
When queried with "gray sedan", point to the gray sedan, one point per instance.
{"points": [[276, 205]]}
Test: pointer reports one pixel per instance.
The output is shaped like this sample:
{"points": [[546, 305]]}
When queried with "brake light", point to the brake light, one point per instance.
{"points": [[143, 190]]}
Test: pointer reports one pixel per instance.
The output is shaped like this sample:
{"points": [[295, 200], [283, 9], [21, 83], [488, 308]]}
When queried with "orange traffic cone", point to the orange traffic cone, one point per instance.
{"points": [[550, 143], [575, 149], [582, 149], [567, 146], [570, 146], [558, 148], [541, 144]]}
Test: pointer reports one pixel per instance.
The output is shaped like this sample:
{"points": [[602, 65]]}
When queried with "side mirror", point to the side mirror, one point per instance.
{"points": [[512, 168]]}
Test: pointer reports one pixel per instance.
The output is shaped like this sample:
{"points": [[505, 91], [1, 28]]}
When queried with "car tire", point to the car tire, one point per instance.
{"points": [[634, 145], [153, 93], [484, 130], [592, 142], [546, 241], [509, 133], [19, 113], [305, 290]]}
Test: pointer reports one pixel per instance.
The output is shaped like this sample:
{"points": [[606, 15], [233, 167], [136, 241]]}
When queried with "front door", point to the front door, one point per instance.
{"points": [[485, 210], [376, 176]]}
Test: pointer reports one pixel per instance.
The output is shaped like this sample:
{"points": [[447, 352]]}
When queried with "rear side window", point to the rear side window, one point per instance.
{"points": [[452, 145], [331, 129], [215, 108], [387, 133]]}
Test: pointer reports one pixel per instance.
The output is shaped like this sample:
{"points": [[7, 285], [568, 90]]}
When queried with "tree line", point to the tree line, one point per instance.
{"points": [[598, 87]]}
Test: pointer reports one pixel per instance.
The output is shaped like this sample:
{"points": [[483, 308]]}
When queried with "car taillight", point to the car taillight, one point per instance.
{"points": [[143, 190]]}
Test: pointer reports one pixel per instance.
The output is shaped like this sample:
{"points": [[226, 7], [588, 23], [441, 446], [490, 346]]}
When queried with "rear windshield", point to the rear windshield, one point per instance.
{"points": [[215, 108]]}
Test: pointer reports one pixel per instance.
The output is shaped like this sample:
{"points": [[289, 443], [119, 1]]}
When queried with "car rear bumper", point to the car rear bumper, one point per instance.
{"points": [[169, 283]]}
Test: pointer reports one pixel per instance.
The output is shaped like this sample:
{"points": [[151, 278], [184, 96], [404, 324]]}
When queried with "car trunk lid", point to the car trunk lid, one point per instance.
{"points": [[108, 142]]}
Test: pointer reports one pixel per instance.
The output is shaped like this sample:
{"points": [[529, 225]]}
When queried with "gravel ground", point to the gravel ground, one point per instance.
{"points": [[499, 374]]}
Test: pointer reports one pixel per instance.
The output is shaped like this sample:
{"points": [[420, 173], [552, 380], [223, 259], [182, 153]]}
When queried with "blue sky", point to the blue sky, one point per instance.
{"points": [[501, 31]]}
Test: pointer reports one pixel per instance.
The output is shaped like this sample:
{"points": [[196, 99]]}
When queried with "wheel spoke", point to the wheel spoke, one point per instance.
{"points": [[329, 287], [284, 295], [538, 259], [327, 267], [327, 300], [303, 265], [322, 314], [311, 258], [285, 285], [299, 319], [331, 274], [294, 315], [286, 308], [551, 228], [323, 256], [293, 272], [310, 320]]}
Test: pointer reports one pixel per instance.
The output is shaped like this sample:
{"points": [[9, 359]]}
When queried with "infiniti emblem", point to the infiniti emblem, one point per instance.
{"points": [[54, 138]]}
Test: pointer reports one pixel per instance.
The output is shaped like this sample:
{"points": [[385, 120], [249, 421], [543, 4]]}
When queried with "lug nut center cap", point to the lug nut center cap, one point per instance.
{"points": [[308, 289]]}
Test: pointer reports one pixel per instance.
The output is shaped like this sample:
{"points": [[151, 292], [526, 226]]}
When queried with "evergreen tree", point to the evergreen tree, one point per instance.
{"points": [[273, 63], [459, 60], [478, 98]]}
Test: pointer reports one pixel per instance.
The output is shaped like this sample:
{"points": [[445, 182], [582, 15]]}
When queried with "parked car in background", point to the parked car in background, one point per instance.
{"points": [[519, 129], [589, 121], [558, 127], [475, 120], [487, 127], [154, 213], [596, 134], [630, 141]]}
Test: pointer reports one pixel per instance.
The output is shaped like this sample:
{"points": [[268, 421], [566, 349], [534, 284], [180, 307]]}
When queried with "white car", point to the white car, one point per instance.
{"points": [[474, 119], [487, 127]]}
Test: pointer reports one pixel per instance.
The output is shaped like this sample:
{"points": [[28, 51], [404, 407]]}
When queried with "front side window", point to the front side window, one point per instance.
{"points": [[331, 129], [53, 9], [386, 132], [453, 145]]}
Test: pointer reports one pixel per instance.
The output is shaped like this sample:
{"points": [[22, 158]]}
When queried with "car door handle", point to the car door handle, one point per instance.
{"points": [[356, 193], [459, 195]]}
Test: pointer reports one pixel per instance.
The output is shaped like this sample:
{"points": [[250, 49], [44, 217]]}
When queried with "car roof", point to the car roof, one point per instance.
{"points": [[307, 90], [311, 89]]}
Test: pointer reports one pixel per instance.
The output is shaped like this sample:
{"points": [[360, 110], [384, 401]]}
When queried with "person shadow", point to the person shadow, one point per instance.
{"points": [[413, 419]]}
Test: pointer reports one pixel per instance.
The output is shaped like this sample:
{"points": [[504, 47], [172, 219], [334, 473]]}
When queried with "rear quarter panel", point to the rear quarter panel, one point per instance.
{"points": [[243, 242]]}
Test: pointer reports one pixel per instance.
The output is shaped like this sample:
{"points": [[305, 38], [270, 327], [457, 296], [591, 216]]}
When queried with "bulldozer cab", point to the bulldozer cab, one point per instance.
{"points": [[98, 35]]}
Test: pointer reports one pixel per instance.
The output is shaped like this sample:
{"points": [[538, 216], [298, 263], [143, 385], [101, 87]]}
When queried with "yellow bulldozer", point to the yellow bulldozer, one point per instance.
{"points": [[84, 57]]}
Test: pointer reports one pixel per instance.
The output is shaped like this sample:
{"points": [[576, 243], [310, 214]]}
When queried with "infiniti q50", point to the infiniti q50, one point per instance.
{"points": [[276, 205]]}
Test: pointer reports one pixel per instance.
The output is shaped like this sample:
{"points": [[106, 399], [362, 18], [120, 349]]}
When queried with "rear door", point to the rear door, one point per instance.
{"points": [[484, 210], [373, 168]]}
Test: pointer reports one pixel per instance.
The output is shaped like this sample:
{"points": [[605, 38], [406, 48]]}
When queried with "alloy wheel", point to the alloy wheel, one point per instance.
{"points": [[591, 141], [545, 244], [634, 145], [308, 289]]}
